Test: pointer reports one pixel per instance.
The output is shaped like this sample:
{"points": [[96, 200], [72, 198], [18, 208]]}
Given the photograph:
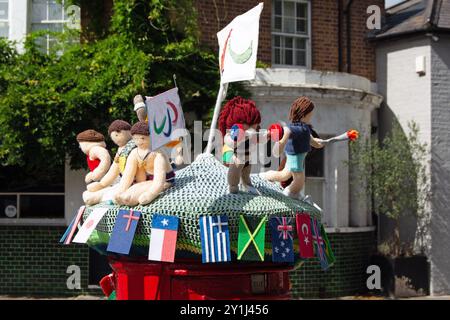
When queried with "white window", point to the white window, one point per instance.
{"points": [[48, 15], [291, 33], [4, 19]]}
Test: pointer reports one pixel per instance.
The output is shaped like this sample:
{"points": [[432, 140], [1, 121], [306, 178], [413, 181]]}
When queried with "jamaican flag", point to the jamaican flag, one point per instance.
{"points": [[251, 238]]}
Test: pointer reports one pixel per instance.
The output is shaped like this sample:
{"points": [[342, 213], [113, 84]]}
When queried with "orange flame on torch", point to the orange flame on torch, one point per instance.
{"points": [[352, 135]]}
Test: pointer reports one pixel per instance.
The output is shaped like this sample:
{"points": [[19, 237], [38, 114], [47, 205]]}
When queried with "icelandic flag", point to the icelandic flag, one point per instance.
{"points": [[215, 239], [282, 240], [319, 244], [163, 238], [123, 232]]}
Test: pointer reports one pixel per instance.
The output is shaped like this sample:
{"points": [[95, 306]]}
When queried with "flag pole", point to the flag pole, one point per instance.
{"points": [[220, 96]]}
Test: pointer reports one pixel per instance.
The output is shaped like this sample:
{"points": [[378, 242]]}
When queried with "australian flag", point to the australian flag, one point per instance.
{"points": [[215, 239], [319, 244], [282, 241]]}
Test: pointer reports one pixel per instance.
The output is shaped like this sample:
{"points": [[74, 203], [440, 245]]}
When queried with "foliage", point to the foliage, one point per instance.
{"points": [[394, 171], [45, 100]]}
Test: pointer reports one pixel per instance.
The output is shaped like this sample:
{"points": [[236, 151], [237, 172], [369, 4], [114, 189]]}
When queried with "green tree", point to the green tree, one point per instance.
{"points": [[45, 100], [394, 171]]}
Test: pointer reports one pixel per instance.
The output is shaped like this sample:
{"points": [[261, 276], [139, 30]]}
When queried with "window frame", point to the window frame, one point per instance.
{"points": [[306, 36], [7, 20], [32, 221], [47, 21]]}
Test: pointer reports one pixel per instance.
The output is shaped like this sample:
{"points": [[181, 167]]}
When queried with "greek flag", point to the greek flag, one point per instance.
{"points": [[215, 239]]}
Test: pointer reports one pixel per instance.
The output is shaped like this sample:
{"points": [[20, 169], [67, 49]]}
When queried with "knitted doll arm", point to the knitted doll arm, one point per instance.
{"points": [[105, 161], [279, 146], [129, 173], [316, 143], [110, 176]]}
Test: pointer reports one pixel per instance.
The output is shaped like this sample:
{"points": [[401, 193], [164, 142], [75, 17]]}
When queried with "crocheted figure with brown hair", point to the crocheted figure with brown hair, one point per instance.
{"points": [[93, 145], [104, 190], [150, 171], [296, 143], [239, 123]]}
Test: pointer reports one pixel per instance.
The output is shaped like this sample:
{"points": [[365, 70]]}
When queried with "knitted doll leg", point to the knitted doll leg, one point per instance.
{"points": [[92, 198], [297, 184], [149, 195], [276, 176], [131, 196], [234, 176]]}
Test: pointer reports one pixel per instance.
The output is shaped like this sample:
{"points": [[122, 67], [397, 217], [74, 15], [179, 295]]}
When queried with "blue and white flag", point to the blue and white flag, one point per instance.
{"points": [[319, 244], [282, 240], [215, 239]]}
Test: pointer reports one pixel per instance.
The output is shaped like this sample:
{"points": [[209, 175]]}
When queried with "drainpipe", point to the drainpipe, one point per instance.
{"points": [[340, 62], [349, 33]]}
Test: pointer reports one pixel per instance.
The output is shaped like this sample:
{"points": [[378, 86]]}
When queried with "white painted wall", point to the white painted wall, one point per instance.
{"points": [[18, 18], [74, 186]]}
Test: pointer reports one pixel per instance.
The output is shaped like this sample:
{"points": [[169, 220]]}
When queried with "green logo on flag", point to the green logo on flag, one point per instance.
{"points": [[251, 238]]}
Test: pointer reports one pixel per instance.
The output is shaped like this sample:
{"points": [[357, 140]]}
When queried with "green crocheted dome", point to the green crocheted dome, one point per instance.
{"points": [[201, 189]]}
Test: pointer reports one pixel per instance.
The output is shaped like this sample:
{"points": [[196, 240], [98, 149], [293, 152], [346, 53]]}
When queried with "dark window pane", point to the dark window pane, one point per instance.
{"points": [[277, 7], [288, 42], [277, 24], [277, 56], [300, 44], [288, 57], [314, 163], [277, 41], [300, 58], [8, 206], [302, 9], [301, 26], [42, 206], [289, 9]]}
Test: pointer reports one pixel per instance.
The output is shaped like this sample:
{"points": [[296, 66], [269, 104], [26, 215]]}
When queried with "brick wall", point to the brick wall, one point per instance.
{"points": [[32, 262], [214, 15], [346, 277]]}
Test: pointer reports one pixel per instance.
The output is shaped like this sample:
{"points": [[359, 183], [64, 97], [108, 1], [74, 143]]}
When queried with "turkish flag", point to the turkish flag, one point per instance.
{"points": [[303, 221]]}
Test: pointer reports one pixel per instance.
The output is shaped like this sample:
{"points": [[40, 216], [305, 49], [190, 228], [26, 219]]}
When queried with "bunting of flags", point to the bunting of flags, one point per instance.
{"points": [[215, 237]]}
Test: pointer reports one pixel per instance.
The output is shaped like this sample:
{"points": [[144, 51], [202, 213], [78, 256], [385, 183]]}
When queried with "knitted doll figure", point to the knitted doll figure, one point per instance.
{"points": [[242, 113], [104, 190], [150, 170], [296, 142], [92, 143]]}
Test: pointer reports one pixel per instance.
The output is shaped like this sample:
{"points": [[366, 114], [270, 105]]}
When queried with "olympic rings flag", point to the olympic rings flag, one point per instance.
{"points": [[238, 46], [165, 118]]}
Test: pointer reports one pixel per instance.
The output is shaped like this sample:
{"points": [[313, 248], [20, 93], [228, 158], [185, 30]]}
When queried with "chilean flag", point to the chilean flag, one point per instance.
{"points": [[163, 238], [304, 235]]}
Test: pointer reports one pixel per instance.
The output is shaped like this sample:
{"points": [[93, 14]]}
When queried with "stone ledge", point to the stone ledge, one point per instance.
{"points": [[349, 229]]}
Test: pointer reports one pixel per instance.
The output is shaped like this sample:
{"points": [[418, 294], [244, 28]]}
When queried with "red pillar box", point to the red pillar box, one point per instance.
{"points": [[192, 280]]}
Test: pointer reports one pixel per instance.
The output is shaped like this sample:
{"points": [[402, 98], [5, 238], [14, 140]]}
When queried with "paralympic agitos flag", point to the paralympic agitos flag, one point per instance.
{"points": [[165, 118], [238, 46]]}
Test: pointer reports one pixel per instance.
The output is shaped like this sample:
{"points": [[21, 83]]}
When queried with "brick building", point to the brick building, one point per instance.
{"points": [[317, 48]]}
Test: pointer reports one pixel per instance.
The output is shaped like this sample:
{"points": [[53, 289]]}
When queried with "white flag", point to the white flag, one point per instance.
{"points": [[165, 118], [238, 46], [89, 225]]}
